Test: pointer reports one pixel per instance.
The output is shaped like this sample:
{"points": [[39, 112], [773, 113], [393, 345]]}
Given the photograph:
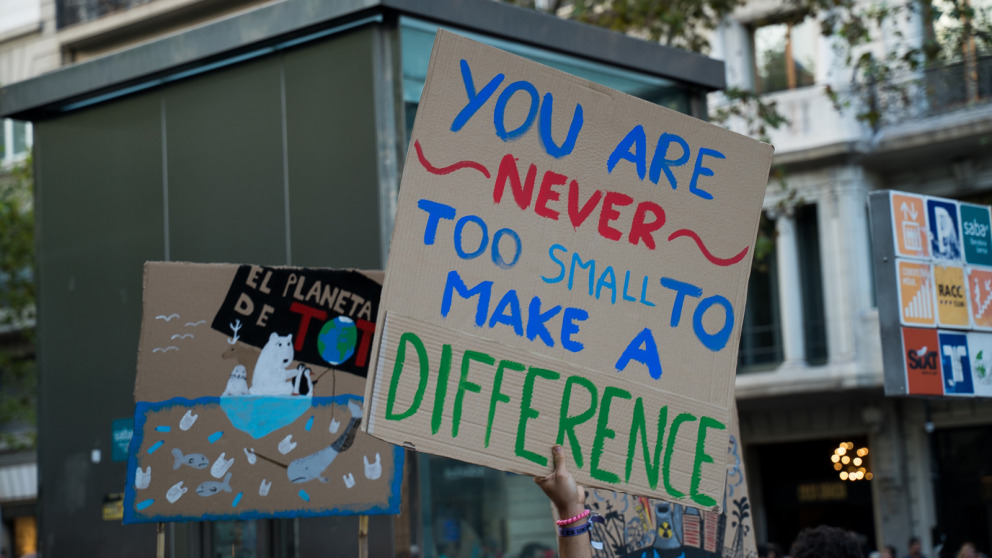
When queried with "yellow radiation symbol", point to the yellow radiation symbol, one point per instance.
{"points": [[665, 530]]}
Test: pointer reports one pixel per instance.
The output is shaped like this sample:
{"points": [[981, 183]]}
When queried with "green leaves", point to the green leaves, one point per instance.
{"points": [[879, 41], [16, 246], [18, 378]]}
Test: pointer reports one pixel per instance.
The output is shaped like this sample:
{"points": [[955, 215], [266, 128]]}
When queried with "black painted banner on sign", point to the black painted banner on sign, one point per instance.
{"points": [[329, 313]]}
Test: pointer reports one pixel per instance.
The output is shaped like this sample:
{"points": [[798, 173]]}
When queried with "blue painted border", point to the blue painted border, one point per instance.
{"points": [[140, 416]]}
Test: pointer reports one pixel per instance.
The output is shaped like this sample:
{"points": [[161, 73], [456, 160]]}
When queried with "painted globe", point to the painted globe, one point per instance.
{"points": [[337, 339]]}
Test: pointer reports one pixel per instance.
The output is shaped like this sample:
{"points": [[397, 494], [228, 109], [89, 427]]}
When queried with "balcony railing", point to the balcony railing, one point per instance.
{"points": [[71, 12], [933, 91]]}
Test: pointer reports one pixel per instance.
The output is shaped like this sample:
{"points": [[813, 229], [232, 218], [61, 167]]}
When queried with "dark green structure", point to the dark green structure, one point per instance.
{"points": [[275, 137]]}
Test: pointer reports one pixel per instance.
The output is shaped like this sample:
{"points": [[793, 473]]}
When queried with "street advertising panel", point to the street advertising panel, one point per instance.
{"points": [[933, 271], [636, 526], [249, 393], [569, 265]]}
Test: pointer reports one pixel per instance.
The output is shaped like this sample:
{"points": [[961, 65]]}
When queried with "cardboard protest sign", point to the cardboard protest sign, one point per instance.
{"points": [[644, 527], [569, 264], [248, 396]]}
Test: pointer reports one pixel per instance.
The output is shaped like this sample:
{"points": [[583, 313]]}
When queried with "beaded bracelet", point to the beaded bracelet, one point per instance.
{"points": [[564, 522]]}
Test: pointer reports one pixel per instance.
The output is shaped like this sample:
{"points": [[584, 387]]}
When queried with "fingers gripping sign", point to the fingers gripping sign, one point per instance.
{"points": [[560, 487], [568, 499]]}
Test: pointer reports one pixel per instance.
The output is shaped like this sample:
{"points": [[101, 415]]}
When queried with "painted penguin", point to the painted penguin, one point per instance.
{"points": [[303, 383]]}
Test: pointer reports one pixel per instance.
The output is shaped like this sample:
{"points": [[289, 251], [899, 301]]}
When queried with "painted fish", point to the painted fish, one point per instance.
{"points": [[310, 467], [209, 488], [194, 460]]}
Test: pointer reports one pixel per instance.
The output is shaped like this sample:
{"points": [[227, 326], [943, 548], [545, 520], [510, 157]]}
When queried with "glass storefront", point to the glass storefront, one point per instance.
{"points": [[235, 539], [25, 536], [417, 39], [470, 511], [964, 488], [804, 486]]}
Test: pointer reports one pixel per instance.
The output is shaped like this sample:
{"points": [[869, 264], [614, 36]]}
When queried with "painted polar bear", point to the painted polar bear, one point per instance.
{"points": [[270, 376]]}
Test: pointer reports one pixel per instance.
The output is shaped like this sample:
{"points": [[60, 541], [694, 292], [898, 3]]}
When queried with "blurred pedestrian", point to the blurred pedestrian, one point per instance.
{"points": [[770, 550], [825, 542], [888, 551], [967, 551], [915, 548]]}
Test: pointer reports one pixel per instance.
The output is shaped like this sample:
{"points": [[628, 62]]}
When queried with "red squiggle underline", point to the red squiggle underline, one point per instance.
{"points": [[702, 247], [450, 168]]}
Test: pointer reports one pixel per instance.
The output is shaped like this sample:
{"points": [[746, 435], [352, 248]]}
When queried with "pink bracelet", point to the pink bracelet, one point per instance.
{"points": [[563, 522]]}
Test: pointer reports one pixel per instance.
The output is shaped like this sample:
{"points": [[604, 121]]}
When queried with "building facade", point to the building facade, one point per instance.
{"points": [[810, 377], [272, 134]]}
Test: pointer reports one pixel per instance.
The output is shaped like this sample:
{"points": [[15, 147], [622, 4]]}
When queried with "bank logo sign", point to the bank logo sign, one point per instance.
{"points": [[976, 233]]}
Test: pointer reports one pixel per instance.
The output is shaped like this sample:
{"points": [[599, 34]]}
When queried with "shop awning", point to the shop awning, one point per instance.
{"points": [[18, 482]]}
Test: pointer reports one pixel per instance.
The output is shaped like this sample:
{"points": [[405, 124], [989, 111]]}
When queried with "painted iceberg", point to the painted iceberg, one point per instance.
{"points": [[261, 415]]}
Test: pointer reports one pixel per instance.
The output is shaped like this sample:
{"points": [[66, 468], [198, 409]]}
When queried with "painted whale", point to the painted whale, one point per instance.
{"points": [[310, 467]]}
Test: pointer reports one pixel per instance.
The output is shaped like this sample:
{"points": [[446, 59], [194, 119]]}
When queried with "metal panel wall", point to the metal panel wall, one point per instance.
{"points": [[225, 160], [332, 174], [99, 210], [271, 161]]}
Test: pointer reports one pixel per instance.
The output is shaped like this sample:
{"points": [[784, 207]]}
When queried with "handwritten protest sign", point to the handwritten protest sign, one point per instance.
{"points": [[642, 527], [249, 396], [569, 264]]}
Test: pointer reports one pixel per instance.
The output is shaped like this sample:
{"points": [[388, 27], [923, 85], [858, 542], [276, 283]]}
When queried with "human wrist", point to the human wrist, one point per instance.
{"points": [[572, 511]]}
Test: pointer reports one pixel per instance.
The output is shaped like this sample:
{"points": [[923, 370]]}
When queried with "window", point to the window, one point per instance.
{"points": [[474, 511], [15, 141], [235, 538], [811, 278], [785, 55], [417, 40], [273, 538], [761, 335], [69, 12], [962, 73], [956, 27]]}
